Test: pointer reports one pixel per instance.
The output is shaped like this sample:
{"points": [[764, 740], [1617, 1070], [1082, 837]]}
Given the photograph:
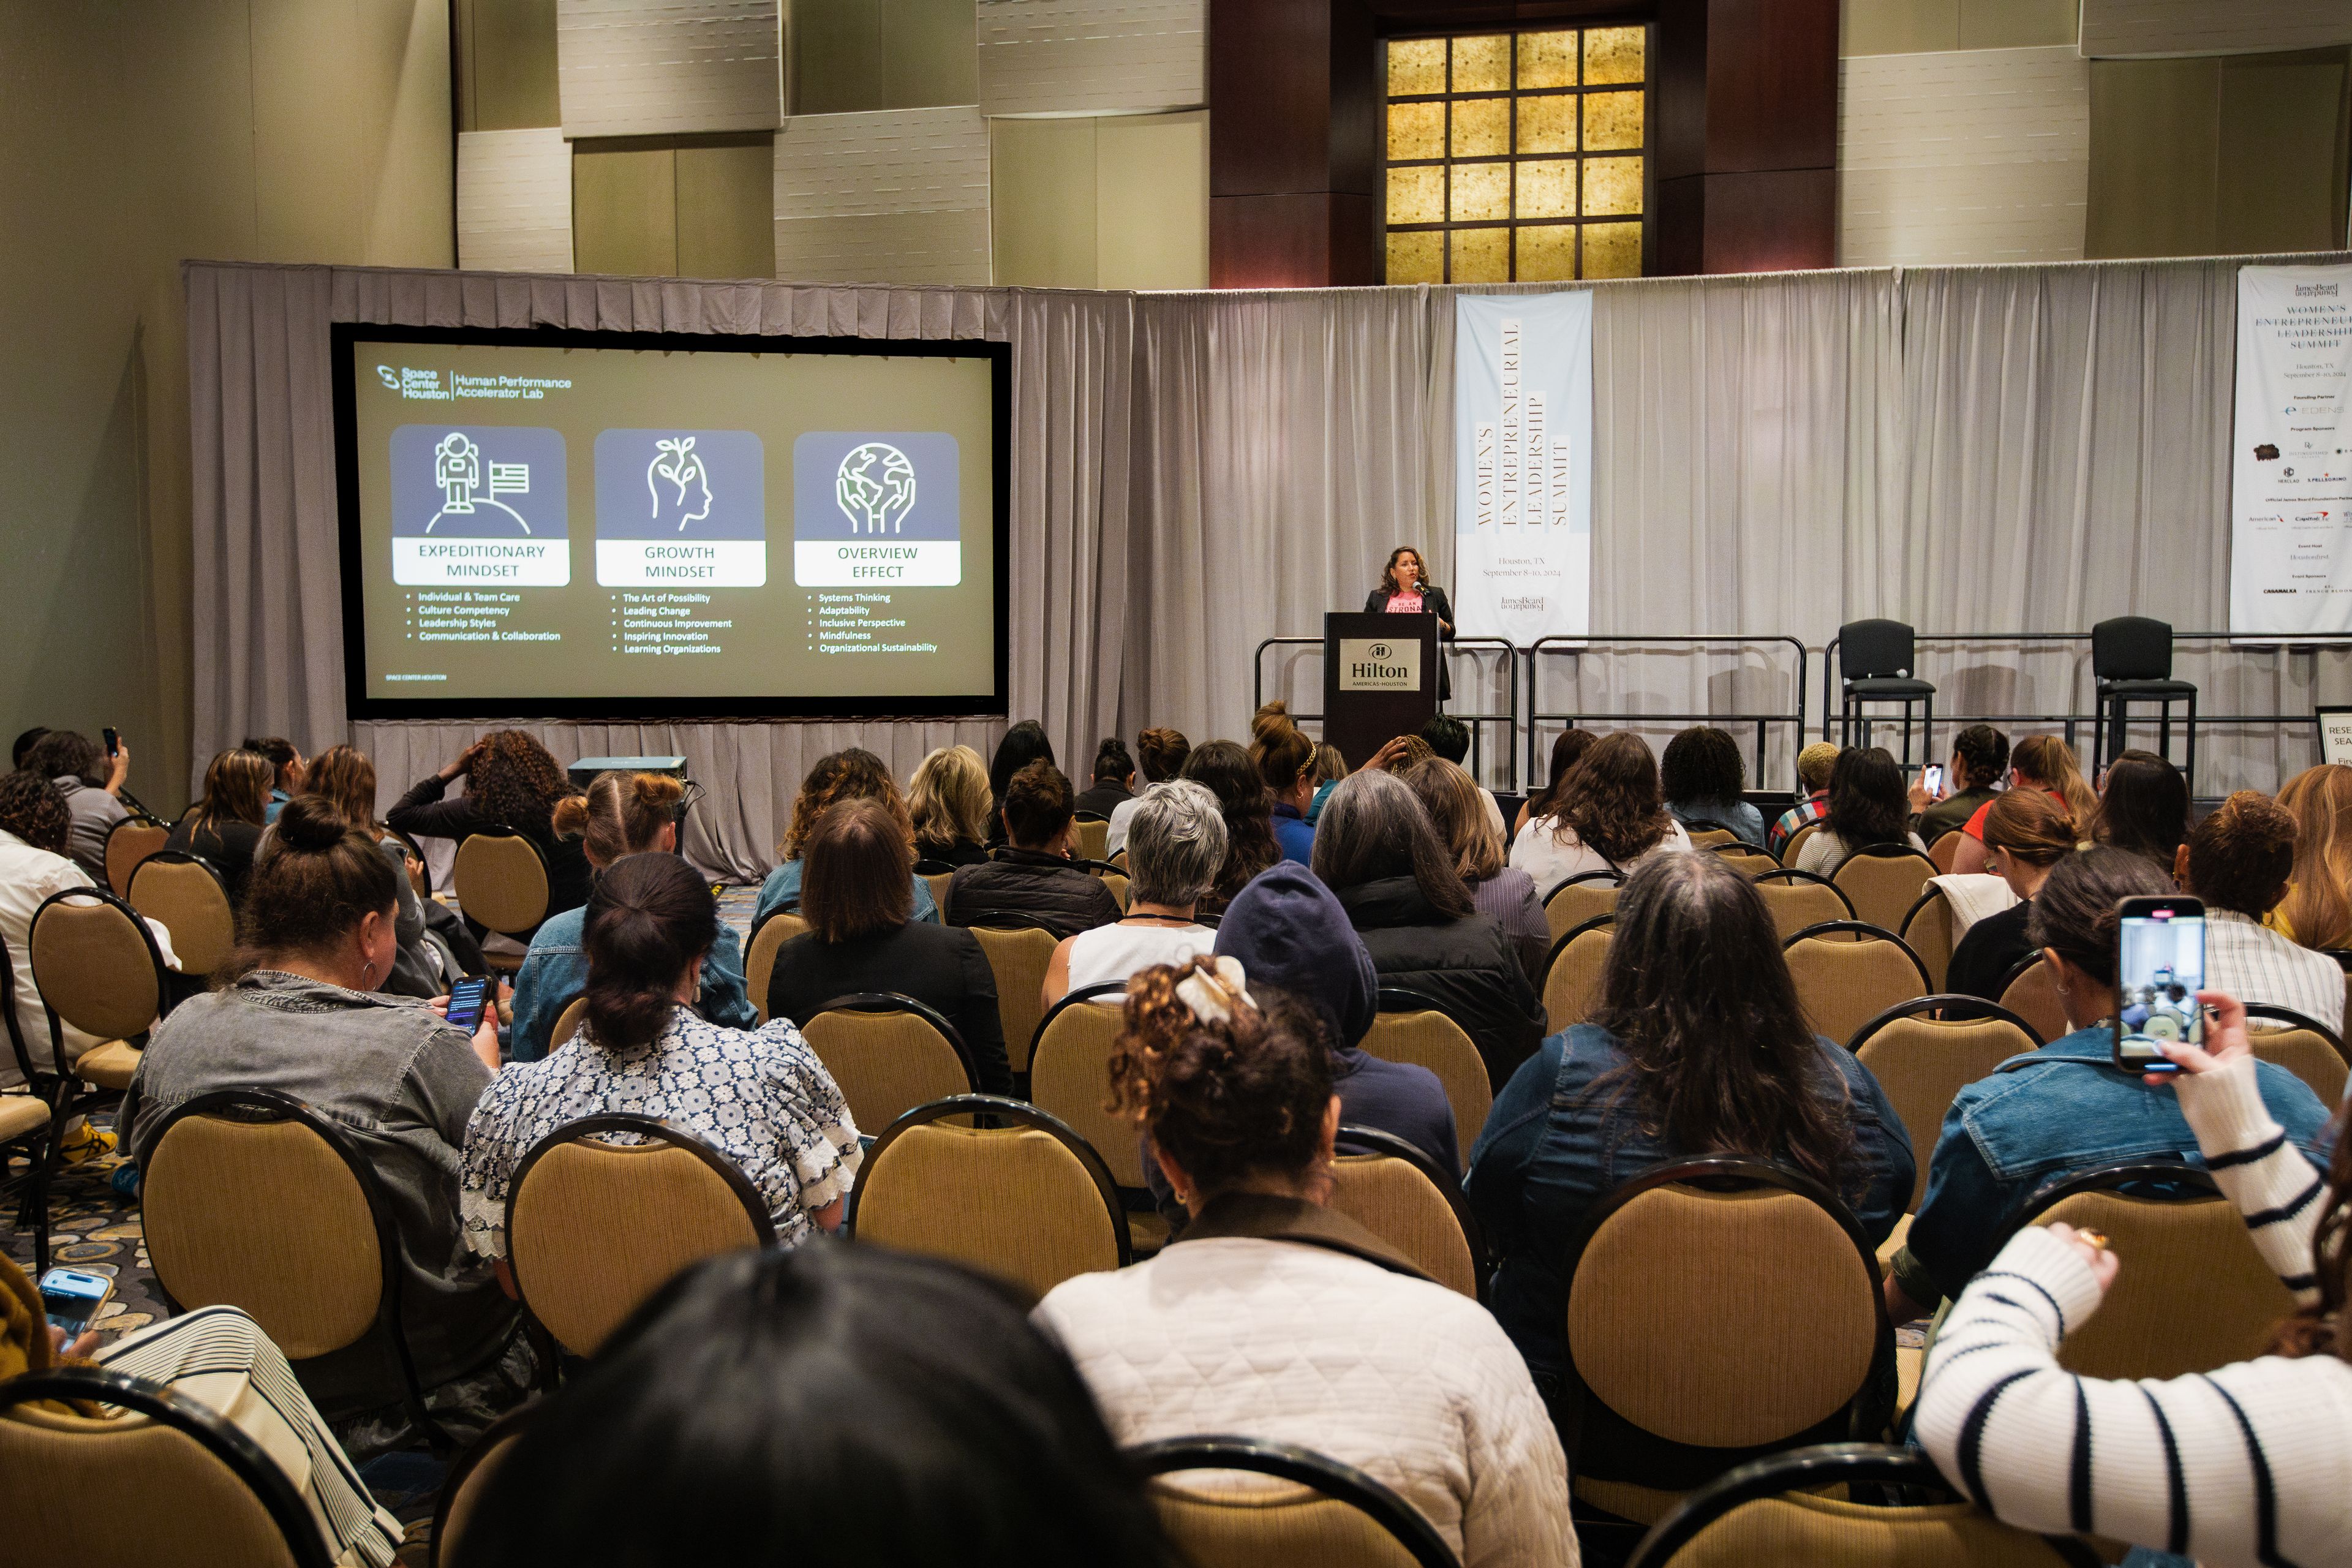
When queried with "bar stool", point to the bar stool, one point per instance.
{"points": [[1875, 658], [2131, 660]]}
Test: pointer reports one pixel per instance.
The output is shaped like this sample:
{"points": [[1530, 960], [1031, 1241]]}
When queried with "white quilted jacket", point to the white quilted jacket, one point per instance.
{"points": [[1403, 1379]]}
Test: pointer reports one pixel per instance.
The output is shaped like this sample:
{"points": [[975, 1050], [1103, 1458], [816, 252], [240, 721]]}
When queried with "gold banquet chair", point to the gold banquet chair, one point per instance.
{"points": [[184, 895], [1029, 1201], [2031, 991], [500, 880], [2304, 1046], [760, 961], [1573, 974], [1416, 1028], [1069, 1077], [1800, 898], [1746, 858], [888, 1054], [1581, 900], [1018, 957], [168, 1483], [1882, 881], [1794, 1508], [318, 1265], [1924, 1062], [1708, 1242], [469, 1477], [1241, 1503], [1848, 973], [567, 1024], [595, 1227], [1094, 836], [1928, 927], [1399, 1193], [129, 841], [98, 968]]}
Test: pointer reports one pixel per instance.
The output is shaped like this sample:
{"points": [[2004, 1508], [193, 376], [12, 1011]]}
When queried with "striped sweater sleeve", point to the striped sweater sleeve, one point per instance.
{"points": [[2250, 1463], [2258, 1167]]}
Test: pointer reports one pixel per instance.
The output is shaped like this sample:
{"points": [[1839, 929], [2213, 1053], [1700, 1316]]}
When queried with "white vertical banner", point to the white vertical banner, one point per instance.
{"points": [[1523, 465], [2291, 456]]}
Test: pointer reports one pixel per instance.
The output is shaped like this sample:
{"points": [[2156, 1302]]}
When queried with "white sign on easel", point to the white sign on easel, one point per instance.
{"points": [[2291, 456]]}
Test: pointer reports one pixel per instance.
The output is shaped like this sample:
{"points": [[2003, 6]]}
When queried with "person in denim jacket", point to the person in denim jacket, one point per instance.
{"points": [[621, 814], [2065, 1108], [1698, 1048]]}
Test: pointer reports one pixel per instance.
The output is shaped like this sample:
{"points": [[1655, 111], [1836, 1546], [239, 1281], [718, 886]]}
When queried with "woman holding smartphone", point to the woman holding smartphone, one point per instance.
{"points": [[2249, 1462]]}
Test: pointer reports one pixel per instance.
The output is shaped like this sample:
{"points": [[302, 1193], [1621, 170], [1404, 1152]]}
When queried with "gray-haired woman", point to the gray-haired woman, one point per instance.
{"points": [[1175, 847]]}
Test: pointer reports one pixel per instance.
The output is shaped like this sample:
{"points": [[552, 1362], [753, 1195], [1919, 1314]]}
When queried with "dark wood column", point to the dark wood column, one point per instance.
{"points": [[1746, 140], [1294, 156]]}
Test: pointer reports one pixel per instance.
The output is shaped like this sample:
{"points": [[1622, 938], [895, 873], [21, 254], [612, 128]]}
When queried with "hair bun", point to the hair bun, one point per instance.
{"points": [[311, 823]]}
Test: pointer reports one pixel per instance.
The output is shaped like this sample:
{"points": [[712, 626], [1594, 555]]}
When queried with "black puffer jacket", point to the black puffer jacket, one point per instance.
{"points": [[1466, 967], [1024, 884]]}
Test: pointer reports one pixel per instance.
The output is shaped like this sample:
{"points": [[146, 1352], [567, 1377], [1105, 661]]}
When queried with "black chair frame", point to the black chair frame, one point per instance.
{"points": [[2193, 1184], [1969, 1009], [416, 852], [1901, 1473], [1611, 879], [1855, 642], [893, 1001], [271, 1105], [2114, 691], [927, 868], [286, 1507], [1797, 879], [990, 1111], [1888, 852], [1862, 931], [651, 1129], [43, 1087], [462, 1468], [1741, 846], [2294, 1020], [1597, 922], [1302, 1466], [1864, 1412], [1359, 1139], [136, 819]]}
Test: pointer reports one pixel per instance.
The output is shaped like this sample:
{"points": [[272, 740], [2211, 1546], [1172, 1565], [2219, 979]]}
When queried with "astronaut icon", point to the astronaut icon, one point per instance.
{"points": [[458, 470], [678, 482]]}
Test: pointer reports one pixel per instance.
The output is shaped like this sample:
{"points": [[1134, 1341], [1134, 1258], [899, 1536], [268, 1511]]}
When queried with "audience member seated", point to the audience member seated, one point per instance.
{"points": [[949, 803], [1024, 744], [1377, 850], [1114, 780], [2143, 807], [2065, 1108], [1868, 808], [1609, 817], [761, 1096], [1285, 761], [1566, 753], [296, 1011], [1162, 753], [1274, 1317], [1330, 767], [2247, 1462], [1980, 756], [621, 814], [2237, 861], [2040, 762], [1449, 738], [511, 782], [1697, 1047], [2317, 909], [344, 778], [89, 780], [855, 773], [1271, 716], [1704, 778], [863, 936], [226, 824], [1250, 844], [2027, 832], [1175, 844], [1031, 880], [217, 1358], [25, 745], [1505, 894], [1815, 764], [832, 1404], [286, 770], [34, 827]]}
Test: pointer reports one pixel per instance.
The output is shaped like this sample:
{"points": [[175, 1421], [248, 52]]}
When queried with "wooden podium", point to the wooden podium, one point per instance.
{"points": [[1379, 679]]}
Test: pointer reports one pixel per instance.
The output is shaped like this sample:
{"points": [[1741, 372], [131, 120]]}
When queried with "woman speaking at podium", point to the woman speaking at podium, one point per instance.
{"points": [[1406, 590]]}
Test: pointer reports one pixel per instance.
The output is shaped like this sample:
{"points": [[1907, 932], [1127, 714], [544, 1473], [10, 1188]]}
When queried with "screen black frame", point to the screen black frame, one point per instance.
{"points": [[344, 338]]}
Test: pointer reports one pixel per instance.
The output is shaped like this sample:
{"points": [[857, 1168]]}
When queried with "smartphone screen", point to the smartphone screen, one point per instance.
{"points": [[71, 1298], [466, 999], [2158, 972], [1935, 779], [113, 741]]}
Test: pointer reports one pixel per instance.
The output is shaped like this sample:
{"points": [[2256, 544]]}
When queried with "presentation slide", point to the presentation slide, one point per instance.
{"points": [[609, 525]]}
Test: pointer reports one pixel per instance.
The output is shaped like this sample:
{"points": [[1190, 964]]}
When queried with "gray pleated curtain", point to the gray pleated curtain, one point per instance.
{"points": [[1993, 450]]}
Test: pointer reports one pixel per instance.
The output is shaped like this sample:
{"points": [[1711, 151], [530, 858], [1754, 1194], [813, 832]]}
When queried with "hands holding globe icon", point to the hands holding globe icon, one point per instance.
{"points": [[875, 487]]}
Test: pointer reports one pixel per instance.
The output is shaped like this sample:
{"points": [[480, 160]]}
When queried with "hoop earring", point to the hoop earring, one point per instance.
{"points": [[367, 975]]}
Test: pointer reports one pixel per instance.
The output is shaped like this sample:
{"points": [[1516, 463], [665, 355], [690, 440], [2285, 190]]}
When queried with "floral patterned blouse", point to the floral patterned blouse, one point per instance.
{"points": [[759, 1095]]}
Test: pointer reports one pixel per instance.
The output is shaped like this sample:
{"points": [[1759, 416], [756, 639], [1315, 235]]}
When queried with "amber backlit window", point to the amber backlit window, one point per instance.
{"points": [[1516, 156]]}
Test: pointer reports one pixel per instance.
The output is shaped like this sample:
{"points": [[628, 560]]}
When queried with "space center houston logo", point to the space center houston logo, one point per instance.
{"points": [[478, 503], [681, 507], [876, 509]]}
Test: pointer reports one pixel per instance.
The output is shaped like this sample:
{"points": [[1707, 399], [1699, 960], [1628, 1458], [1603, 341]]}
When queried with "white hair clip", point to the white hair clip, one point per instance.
{"points": [[1212, 994]]}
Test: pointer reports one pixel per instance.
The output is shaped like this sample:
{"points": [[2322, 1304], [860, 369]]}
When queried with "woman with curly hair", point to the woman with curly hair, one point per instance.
{"points": [[1608, 813], [512, 782], [1248, 806], [1274, 1317], [855, 773], [35, 825]]}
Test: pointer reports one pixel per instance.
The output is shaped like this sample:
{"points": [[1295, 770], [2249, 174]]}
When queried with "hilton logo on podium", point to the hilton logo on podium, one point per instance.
{"points": [[1378, 663]]}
